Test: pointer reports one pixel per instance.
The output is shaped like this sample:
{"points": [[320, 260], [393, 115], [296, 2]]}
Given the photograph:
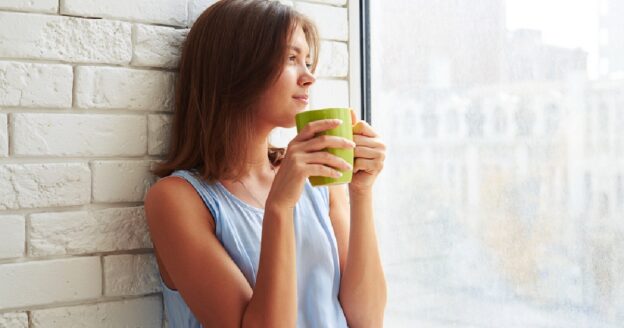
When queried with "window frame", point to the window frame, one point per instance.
{"points": [[359, 59]]}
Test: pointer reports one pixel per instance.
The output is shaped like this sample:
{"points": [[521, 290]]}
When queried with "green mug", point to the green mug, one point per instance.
{"points": [[344, 130]]}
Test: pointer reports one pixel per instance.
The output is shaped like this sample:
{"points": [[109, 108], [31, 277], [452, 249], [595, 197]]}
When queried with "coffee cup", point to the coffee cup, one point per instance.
{"points": [[344, 130]]}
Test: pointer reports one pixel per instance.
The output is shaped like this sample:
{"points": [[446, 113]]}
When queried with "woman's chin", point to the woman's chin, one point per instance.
{"points": [[290, 125], [302, 107]]}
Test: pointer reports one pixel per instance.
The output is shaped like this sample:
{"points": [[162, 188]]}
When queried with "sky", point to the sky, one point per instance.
{"points": [[567, 23]]}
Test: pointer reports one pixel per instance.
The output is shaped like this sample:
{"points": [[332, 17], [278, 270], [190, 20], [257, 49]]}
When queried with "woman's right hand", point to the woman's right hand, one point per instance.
{"points": [[305, 157]]}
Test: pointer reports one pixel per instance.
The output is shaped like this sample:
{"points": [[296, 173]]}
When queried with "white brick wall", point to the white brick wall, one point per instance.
{"points": [[108, 87], [121, 181], [78, 135], [44, 185], [131, 274], [333, 60], [14, 320], [14, 236], [332, 22], [4, 136], [106, 230], [158, 127], [35, 85], [157, 46], [196, 7], [65, 39], [164, 12], [141, 313], [86, 100], [41, 282], [44, 6]]}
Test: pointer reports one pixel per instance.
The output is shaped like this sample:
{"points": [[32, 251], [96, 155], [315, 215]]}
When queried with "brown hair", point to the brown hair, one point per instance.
{"points": [[235, 50]]}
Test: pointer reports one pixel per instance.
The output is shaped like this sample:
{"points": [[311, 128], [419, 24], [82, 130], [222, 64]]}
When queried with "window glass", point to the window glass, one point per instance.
{"points": [[501, 203]]}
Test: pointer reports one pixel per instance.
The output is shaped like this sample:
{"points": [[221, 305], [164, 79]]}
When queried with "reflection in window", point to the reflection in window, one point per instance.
{"points": [[497, 199], [452, 122], [524, 119], [552, 118], [619, 186], [429, 119], [588, 190], [499, 120], [475, 120]]}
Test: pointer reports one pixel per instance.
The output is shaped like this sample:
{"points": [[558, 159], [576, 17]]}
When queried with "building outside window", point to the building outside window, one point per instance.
{"points": [[500, 204]]}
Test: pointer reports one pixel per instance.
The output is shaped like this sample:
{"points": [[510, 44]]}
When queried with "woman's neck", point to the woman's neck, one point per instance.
{"points": [[258, 166]]}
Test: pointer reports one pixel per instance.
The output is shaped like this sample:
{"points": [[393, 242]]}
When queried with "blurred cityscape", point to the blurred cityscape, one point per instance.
{"points": [[503, 195]]}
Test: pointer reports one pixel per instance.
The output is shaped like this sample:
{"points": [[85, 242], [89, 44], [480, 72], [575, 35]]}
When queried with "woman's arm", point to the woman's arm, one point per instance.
{"points": [[274, 301], [363, 286], [207, 278]]}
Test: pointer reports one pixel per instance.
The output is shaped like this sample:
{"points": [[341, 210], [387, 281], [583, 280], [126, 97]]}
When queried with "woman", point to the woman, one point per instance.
{"points": [[240, 235]]}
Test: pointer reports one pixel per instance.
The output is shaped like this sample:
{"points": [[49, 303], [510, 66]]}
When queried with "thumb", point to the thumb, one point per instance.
{"points": [[353, 117]]}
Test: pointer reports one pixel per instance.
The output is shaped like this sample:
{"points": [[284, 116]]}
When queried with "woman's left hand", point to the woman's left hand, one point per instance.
{"points": [[369, 155]]}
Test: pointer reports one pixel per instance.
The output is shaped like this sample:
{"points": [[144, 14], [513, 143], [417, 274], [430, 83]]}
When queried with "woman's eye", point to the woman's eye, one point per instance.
{"points": [[308, 65], [292, 58]]}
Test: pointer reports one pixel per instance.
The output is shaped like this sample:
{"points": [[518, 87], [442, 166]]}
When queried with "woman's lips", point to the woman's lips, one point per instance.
{"points": [[303, 99]]}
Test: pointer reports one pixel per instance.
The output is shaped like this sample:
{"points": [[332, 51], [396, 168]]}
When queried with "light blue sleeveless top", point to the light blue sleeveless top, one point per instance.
{"points": [[239, 228]]}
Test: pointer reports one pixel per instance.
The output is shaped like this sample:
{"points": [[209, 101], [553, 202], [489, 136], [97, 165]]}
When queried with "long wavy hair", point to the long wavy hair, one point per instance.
{"points": [[234, 51]]}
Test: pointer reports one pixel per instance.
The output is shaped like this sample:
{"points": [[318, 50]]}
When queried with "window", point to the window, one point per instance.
{"points": [[500, 204]]}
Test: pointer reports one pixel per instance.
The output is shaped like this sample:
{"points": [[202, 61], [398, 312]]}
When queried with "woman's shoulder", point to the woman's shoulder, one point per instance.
{"points": [[164, 199], [169, 186]]}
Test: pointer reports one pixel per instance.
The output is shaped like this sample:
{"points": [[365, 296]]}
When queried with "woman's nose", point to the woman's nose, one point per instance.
{"points": [[307, 78]]}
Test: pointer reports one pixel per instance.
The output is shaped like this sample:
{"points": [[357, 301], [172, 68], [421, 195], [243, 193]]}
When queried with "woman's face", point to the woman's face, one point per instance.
{"points": [[289, 94]]}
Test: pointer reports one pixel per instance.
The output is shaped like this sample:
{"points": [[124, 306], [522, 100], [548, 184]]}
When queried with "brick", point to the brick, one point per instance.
{"points": [[158, 133], [44, 185], [333, 60], [157, 46], [14, 320], [13, 229], [165, 12], [131, 274], [113, 87], [42, 6], [64, 38], [35, 85], [4, 136], [196, 8], [329, 93], [79, 134], [332, 22], [82, 232], [141, 312], [121, 181], [44, 282]]}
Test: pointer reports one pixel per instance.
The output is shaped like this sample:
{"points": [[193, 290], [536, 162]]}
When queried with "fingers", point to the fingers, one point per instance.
{"points": [[363, 128], [327, 141], [368, 142], [324, 171], [329, 159], [310, 130], [367, 165], [353, 117], [368, 153]]}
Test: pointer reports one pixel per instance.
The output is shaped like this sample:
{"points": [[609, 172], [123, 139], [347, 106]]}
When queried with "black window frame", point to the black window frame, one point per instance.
{"points": [[365, 81]]}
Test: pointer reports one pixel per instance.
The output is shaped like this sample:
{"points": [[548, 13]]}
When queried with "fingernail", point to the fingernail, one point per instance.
{"points": [[337, 120]]}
